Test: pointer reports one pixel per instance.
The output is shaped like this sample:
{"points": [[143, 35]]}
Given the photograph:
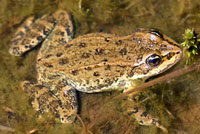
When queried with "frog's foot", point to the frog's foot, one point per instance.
{"points": [[35, 30], [43, 100], [144, 118]]}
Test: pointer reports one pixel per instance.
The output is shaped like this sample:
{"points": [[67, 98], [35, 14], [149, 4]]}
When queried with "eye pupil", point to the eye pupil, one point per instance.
{"points": [[153, 60]]}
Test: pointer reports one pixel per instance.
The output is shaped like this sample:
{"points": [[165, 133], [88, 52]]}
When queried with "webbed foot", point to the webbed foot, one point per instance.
{"points": [[143, 118]]}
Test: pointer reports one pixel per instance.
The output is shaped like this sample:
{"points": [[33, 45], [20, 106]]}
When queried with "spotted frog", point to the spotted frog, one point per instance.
{"points": [[94, 62]]}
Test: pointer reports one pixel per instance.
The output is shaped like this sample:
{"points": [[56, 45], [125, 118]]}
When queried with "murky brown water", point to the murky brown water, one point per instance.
{"points": [[176, 102]]}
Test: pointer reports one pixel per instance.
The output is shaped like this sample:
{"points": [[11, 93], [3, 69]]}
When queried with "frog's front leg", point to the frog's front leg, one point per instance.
{"points": [[64, 105], [141, 116]]}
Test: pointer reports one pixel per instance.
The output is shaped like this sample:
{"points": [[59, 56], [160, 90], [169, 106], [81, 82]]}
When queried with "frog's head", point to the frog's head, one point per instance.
{"points": [[159, 53]]}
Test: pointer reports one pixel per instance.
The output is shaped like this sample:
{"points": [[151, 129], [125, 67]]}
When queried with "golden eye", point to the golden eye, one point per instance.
{"points": [[153, 60]]}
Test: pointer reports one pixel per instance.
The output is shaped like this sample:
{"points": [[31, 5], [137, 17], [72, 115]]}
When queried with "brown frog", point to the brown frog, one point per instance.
{"points": [[94, 62]]}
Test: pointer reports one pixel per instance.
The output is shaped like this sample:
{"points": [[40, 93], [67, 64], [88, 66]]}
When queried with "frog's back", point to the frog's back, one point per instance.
{"points": [[93, 61], [98, 61]]}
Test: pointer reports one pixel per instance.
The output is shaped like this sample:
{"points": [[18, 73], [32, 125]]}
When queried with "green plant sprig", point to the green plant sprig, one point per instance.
{"points": [[191, 43]]}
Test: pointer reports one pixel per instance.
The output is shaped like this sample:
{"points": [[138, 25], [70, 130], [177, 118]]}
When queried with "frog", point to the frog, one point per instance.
{"points": [[90, 63]]}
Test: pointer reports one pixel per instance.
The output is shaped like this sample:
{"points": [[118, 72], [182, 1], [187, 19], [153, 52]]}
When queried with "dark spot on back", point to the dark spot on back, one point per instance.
{"points": [[63, 61], [108, 81], [139, 41], [144, 114], [123, 51], [88, 68], [59, 102], [99, 51], [105, 60], [107, 67], [62, 33], [96, 74], [85, 55], [62, 41], [59, 54], [107, 39], [128, 58], [68, 45], [150, 44], [48, 65], [74, 72], [142, 49], [29, 46], [135, 110], [122, 66], [119, 42], [82, 45], [49, 55], [97, 81]]}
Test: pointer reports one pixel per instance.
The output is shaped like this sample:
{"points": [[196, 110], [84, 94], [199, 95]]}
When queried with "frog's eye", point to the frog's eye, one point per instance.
{"points": [[153, 60], [157, 33]]}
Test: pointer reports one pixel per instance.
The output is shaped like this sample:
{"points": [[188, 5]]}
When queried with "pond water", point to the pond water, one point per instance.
{"points": [[176, 101]]}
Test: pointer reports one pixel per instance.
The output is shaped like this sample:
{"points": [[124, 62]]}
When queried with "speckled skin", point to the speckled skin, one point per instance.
{"points": [[93, 62]]}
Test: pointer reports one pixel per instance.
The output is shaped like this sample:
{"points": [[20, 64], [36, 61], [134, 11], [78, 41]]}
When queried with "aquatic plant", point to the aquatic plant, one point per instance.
{"points": [[191, 44]]}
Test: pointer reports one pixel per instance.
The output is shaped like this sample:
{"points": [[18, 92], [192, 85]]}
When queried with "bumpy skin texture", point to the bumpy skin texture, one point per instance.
{"points": [[94, 62], [98, 61]]}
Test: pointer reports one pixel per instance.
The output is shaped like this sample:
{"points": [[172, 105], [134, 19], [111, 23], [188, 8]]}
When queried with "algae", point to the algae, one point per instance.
{"points": [[175, 102]]}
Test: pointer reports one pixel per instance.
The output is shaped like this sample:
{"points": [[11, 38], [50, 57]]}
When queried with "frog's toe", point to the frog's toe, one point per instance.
{"points": [[143, 118], [63, 105]]}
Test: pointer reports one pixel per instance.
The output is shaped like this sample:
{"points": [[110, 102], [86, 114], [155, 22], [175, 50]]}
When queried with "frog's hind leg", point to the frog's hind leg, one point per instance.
{"points": [[61, 35], [31, 33], [63, 106], [35, 30]]}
